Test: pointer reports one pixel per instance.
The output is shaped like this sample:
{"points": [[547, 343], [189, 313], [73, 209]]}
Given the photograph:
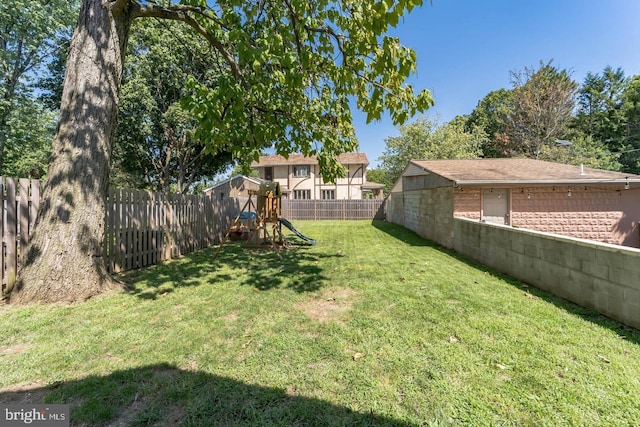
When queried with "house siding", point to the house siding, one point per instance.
{"points": [[347, 188]]}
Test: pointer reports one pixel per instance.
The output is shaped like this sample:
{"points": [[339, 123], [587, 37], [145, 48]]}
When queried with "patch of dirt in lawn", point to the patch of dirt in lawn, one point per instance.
{"points": [[331, 305], [172, 417], [14, 349], [231, 317], [23, 394]]}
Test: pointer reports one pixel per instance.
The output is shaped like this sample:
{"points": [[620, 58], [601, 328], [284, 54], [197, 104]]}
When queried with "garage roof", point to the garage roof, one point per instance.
{"points": [[516, 171]]}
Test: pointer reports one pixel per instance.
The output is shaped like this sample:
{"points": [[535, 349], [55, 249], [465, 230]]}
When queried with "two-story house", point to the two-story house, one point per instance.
{"points": [[300, 178]]}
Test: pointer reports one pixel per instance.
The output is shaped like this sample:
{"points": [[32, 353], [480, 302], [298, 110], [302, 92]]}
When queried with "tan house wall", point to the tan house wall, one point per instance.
{"points": [[349, 187], [280, 175], [234, 188]]}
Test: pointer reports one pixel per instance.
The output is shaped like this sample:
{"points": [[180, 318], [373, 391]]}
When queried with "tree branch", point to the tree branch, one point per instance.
{"points": [[118, 6], [182, 13]]}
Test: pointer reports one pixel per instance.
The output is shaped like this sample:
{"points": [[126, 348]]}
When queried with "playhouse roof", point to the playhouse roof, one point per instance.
{"points": [[238, 177], [514, 171]]}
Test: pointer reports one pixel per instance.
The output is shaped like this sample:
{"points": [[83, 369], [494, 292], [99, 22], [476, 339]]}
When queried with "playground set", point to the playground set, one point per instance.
{"points": [[260, 222]]}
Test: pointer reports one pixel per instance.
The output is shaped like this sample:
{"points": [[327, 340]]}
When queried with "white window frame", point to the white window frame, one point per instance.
{"points": [[326, 193], [302, 194], [300, 171]]}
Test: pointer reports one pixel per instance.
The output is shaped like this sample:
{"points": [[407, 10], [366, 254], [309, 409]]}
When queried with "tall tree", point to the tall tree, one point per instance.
{"points": [[631, 111], [30, 129], [426, 139], [291, 68], [378, 175], [489, 115], [600, 107], [606, 105], [30, 33], [542, 105], [155, 144], [583, 150]]}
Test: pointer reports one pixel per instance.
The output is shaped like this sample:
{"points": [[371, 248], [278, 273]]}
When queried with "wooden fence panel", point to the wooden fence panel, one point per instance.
{"points": [[3, 251], [20, 199], [365, 209], [10, 231], [144, 228]]}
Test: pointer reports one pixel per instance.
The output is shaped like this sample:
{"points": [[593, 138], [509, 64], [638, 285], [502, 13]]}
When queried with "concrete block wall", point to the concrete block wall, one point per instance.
{"points": [[394, 208], [596, 275], [412, 212], [428, 212]]}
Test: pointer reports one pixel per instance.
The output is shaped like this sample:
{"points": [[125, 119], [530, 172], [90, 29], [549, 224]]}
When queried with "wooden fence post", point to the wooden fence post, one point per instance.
{"points": [[10, 234]]}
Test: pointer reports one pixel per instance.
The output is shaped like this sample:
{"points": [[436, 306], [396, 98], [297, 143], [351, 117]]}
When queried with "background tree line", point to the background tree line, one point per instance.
{"points": [[545, 115], [157, 146]]}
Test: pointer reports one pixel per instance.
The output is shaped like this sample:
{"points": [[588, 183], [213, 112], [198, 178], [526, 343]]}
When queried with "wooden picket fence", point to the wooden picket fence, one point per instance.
{"points": [[364, 209], [20, 200], [142, 228]]}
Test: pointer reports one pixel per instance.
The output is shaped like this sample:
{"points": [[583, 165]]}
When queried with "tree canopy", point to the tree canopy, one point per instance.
{"points": [[155, 144], [542, 103], [288, 73], [545, 105], [31, 33], [295, 67]]}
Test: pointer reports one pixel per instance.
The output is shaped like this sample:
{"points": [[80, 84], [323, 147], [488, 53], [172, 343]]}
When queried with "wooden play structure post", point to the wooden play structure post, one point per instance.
{"points": [[264, 227]]}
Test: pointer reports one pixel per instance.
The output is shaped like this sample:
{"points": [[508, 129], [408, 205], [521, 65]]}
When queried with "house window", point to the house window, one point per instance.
{"points": [[328, 194], [268, 174], [302, 194], [222, 195], [300, 171]]}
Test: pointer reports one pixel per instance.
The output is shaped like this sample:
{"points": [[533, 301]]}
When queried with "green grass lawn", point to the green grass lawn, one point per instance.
{"points": [[372, 326]]}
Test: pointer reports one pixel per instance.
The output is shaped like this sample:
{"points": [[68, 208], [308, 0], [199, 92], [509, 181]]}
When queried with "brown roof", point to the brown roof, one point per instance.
{"points": [[299, 159], [518, 171]]}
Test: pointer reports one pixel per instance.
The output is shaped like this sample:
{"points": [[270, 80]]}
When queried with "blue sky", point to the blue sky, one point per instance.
{"points": [[466, 48]]}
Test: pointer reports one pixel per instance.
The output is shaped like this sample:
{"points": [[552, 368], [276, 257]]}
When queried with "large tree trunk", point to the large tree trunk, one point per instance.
{"points": [[64, 261]]}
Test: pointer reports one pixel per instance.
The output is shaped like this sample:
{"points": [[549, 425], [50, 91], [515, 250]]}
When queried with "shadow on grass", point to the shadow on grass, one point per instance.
{"points": [[401, 233], [296, 268], [165, 395], [411, 238]]}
